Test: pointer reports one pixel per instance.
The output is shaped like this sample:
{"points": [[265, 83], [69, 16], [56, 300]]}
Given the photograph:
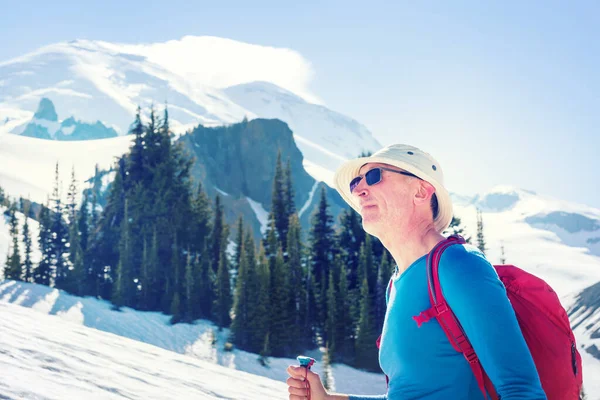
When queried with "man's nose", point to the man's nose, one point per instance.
{"points": [[360, 189]]}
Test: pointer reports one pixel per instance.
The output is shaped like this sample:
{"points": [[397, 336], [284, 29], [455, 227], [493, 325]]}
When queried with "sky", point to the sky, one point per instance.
{"points": [[499, 92]]}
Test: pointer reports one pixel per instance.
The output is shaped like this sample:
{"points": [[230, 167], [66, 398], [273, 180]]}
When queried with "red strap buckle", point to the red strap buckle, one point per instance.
{"points": [[430, 313]]}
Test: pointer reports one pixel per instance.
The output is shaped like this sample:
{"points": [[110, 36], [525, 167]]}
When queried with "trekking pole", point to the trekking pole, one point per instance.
{"points": [[306, 362]]}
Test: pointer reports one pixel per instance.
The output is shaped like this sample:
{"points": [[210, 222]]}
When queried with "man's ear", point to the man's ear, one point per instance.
{"points": [[424, 192]]}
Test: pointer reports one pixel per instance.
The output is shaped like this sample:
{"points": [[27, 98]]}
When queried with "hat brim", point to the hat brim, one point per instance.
{"points": [[349, 170]]}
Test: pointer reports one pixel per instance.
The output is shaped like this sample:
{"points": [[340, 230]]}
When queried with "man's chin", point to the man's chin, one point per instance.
{"points": [[370, 226]]}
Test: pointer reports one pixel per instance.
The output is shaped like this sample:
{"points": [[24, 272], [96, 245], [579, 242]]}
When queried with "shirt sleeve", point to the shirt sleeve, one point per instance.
{"points": [[478, 298]]}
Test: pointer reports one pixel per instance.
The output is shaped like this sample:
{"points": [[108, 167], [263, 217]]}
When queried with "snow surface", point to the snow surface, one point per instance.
{"points": [[88, 352], [261, 214], [46, 357], [27, 165], [310, 199]]}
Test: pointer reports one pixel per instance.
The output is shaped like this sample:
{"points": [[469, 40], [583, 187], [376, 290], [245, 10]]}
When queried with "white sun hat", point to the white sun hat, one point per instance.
{"points": [[408, 158]]}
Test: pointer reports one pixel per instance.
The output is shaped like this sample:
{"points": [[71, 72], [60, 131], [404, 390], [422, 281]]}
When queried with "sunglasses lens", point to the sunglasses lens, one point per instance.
{"points": [[354, 183], [373, 176]]}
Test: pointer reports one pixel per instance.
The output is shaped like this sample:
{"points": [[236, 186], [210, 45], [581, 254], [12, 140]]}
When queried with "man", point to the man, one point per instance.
{"points": [[399, 192]]}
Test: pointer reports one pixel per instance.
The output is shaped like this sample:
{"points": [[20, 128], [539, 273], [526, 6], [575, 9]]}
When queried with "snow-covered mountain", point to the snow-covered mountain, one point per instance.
{"points": [[205, 80], [45, 125]]}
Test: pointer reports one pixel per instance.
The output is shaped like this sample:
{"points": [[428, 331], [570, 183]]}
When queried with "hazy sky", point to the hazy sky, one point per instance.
{"points": [[499, 92]]}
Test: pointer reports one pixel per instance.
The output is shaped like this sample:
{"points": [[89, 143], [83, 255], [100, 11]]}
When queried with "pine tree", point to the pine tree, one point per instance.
{"points": [[205, 287], [42, 273], [480, 237], [289, 191], [278, 217], [241, 322], [152, 301], [331, 325], [59, 239], [201, 227], [297, 288], [124, 291], [366, 354], [175, 283], [13, 268], [260, 312], [72, 198], [223, 295], [345, 325], [137, 154], [280, 324], [27, 263], [502, 254], [189, 286], [322, 241], [351, 236], [384, 274], [456, 228]]}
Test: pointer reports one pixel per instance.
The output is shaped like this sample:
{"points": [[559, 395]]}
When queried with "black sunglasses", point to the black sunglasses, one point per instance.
{"points": [[373, 176]]}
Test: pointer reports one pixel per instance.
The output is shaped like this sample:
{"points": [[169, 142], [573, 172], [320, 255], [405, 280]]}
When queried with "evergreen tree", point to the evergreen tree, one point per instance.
{"points": [[502, 255], [280, 324], [189, 286], [289, 190], [278, 217], [384, 274], [27, 264], [201, 227], [42, 273], [344, 334], [175, 284], [297, 288], [59, 239], [261, 311], [480, 236], [351, 236], [223, 295], [331, 325], [124, 291], [321, 255], [152, 299], [239, 241], [251, 304], [366, 351], [13, 268], [241, 324], [205, 286], [456, 228], [72, 198], [137, 154]]}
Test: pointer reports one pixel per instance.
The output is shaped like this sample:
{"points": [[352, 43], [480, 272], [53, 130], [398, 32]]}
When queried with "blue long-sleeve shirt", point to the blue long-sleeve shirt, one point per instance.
{"points": [[422, 364]]}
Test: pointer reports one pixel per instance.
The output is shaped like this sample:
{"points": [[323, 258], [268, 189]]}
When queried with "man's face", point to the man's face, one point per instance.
{"points": [[387, 203]]}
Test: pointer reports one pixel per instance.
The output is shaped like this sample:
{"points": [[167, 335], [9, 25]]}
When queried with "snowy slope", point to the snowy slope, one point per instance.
{"points": [[94, 80], [28, 164], [545, 249], [193, 340], [46, 357]]}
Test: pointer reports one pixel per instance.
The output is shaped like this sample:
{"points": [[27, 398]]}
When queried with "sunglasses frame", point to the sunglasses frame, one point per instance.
{"points": [[354, 182]]}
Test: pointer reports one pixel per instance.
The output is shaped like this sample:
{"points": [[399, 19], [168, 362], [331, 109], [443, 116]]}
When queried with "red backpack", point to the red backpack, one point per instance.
{"points": [[542, 318]]}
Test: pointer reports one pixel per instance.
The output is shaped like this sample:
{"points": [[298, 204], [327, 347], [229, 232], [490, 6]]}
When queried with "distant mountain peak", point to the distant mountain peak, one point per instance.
{"points": [[46, 110]]}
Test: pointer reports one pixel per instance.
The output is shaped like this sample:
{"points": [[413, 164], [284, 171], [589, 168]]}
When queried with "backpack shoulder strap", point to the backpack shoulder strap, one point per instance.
{"points": [[446, 318]]}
